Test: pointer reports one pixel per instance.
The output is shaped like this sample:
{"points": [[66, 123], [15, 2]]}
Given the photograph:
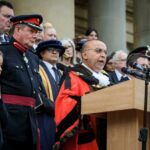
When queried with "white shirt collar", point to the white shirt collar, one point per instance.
{"points": [[119, 75], [103, 79], [49, 66]]}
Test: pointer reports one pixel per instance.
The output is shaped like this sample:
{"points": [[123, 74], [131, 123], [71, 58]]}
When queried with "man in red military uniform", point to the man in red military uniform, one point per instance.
{"points": [[76, 132], [20, 85]]}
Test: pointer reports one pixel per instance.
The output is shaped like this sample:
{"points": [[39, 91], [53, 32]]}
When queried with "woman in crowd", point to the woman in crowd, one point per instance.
{"points": [[91, 34], [69, 56], [109, 63]]}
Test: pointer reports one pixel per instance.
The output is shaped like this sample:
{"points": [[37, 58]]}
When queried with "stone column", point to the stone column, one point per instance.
{"points": [[141, 22], [60, 13], [109, 18]]}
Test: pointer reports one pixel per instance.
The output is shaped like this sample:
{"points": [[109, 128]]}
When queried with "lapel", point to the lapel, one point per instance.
{"points": [[114, 77], [55, 87]]}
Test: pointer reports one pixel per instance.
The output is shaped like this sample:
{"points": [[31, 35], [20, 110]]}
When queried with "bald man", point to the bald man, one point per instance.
{"points": [[72, 131]]}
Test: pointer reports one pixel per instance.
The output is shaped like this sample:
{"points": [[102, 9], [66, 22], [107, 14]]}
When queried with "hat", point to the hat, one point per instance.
{"points": [[50, 44], [80, 44], [142, 50], [33, 20]]}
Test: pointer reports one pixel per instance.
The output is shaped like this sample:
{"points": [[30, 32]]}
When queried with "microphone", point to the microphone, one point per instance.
{"points": [[137, 66], [133, 73]]}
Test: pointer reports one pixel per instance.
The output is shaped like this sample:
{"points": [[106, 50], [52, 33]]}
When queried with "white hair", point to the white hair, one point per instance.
{"points": [[117, 55]]}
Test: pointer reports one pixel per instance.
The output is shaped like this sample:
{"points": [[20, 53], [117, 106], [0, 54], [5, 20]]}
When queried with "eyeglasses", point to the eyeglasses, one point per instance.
{"points": [[51, 49], [98, 50]]}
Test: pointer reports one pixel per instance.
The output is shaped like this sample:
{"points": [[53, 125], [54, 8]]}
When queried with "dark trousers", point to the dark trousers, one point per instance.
{"points": [[17, 145], [102, 133], [47, 128]]}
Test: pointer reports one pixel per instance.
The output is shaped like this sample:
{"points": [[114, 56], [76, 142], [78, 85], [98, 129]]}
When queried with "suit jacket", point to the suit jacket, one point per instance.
{"points": [[51, 87], [46, 122], [113, 77]]}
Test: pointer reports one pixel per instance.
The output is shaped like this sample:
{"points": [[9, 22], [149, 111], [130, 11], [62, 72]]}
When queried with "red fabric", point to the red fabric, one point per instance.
{"points": [[20, 47], [30, 20], [18, 100], [93, 123], [88, 146], [63, 106], [71, 144]]}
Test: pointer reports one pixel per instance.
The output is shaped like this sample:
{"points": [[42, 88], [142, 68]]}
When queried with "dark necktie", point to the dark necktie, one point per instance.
{"points": [[57, 78], [124, 79]]}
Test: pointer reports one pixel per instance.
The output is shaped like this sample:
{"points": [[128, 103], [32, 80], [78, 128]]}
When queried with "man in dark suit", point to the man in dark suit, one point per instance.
{"points": [[119, 60], [19, 85], [6, 12], [49, 51]]}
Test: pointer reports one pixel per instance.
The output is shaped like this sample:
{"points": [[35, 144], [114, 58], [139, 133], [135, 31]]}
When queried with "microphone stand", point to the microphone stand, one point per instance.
{"points": [[144, 131]]}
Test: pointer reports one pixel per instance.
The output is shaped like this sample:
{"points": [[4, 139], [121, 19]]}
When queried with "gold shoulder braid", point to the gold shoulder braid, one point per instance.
{"points": [[94, 87], [86, 75]]}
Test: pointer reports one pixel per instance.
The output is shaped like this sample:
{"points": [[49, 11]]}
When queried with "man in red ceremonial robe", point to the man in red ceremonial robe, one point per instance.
{"points": [[76, 131]]}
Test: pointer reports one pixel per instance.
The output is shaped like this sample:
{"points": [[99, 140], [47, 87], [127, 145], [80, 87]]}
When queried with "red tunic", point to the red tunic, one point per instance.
{"points": [[70, 133]]}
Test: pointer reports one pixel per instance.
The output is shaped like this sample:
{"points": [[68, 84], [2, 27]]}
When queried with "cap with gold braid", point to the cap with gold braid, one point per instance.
{"points": [[141, 50], [33, 20]]}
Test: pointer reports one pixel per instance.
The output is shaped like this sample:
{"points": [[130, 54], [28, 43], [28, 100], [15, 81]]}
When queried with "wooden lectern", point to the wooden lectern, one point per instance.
{"points": [[123, 104]]}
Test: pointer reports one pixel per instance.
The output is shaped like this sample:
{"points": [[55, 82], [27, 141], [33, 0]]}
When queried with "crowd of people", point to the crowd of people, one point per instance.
{"points": [[43, 78]]}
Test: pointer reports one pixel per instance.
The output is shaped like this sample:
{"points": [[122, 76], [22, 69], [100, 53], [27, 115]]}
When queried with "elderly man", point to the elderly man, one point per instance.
{"points": [[119, 60], [6, 12], [76, 132], [20, 85]]}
